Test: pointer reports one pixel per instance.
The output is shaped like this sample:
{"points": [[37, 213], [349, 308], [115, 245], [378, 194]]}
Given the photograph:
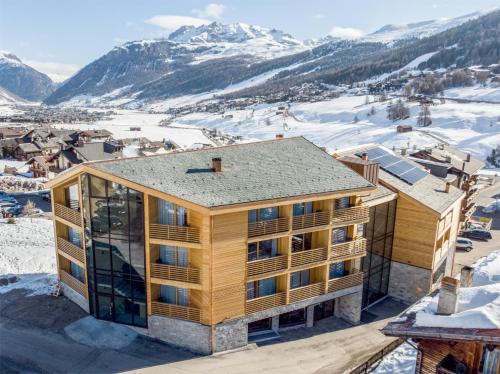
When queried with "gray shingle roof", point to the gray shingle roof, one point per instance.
{"points": [[250, 172], [96, 151], [429, 191]]}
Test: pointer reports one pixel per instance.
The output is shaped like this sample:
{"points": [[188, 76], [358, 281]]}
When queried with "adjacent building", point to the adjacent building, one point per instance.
{"points": [[414, 219], [207, 248]]}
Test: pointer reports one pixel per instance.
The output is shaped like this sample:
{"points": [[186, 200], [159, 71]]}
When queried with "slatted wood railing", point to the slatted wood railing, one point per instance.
{"points": [[267, 265], [269, 227], [70, 249], [70, 215], [348, 249], [177, 273], [352, 215], [171, 232], [306, 292], [265, 302], [175, 311], [347, 281], [309, 256], [311, 220], [74, 283]]}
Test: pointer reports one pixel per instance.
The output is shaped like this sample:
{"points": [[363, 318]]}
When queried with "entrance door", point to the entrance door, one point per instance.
{"points": [[324, 310], [260, 325]]}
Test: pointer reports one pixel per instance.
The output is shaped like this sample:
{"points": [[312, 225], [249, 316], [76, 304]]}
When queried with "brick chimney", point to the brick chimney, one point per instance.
{"points": [[448, 296], [468, 157], [364, 156], [447, 187], [466, 275], [217, 164], [463, 165], [279, 136]]}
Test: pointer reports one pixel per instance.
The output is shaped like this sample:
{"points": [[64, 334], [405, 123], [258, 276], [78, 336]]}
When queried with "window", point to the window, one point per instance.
{"points": [[302, 208], [74, 237], [342, 203], [361, 230], [301, 242], [171, 214], [76, 271], [174, 295], [439, 272], [175, 256], [264, 214], [339, 235], [261, 288], [263, 249], [337, 270], [299, 278]]}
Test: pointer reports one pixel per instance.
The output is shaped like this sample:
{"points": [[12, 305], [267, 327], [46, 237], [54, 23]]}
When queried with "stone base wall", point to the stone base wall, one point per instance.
{"points": [[185, 334], [408, 283], [75, 297], [349, 307], [230, 335]]}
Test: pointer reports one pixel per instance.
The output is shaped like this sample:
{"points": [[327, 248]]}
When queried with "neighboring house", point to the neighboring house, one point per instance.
{"points": [[413, 226], [207, 248], [457, 167], [40, 166], [40, 134], [456, 331], [11, 132], [95, 135], [49, 146], [25, 151], [81, 152], [8, 147]]}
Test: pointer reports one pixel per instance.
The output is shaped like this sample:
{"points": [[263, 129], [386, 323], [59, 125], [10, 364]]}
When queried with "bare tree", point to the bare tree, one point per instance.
{"points": [[29, 209], [424, 117]]}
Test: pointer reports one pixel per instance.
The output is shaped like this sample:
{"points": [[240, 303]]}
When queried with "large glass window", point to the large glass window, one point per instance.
{"points": [[264, 214], [301, 242], [175, 256], [74, 237], [261, 288], [114, 234], [300, 278], [342, 203], [171, 214], [300, 209], [174, 295], [263, 249], [76, 271], [339, 235], [337, 270]]}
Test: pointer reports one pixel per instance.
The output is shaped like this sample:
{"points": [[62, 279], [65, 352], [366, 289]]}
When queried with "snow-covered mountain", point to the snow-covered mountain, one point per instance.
{"points": [[22, 80]]}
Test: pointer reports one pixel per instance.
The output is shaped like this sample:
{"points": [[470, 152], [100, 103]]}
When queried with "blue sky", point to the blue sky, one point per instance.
{"points": [[59, 36]]}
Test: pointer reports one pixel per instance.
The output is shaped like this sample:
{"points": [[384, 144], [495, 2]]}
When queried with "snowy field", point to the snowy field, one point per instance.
{"points": [[402, 360], [27, 252]]}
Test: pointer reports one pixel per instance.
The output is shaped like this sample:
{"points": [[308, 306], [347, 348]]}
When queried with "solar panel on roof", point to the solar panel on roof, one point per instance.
{"points": [[375, 153], [399, 167], [387, 160], [413, 176]]}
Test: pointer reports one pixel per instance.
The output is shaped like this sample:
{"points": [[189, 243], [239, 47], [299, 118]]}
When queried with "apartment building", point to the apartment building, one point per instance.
{"points": [[413, 225], [206, 248]]}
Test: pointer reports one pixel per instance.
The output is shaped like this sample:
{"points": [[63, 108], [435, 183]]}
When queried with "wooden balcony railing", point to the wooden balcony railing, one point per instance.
{"points": [[171, 232], [352, 215], [311, 220], [177, 273], [347, 281], [265, 302], [351, 248], [175, 311], [71, 249], [70, 215], [269, 227], [309, 256], [267, 265], [74, 283], [306, 292]]}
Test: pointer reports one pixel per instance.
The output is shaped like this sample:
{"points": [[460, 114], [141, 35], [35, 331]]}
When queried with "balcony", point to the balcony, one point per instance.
{"points": [[353, 248], [74, 283], [175, 311], [71, 215], [468, 211], [311, 220], [349, 216], [176, 273], [267, 265], [265, 302], [306, 292], [177, 233], [309, 256], [71, 249], [344, 282], [273, 226]]}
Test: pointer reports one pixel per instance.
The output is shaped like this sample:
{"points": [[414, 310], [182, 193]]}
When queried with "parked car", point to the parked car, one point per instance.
{"points": [[12, 208], [464, 244], [477, 234]]}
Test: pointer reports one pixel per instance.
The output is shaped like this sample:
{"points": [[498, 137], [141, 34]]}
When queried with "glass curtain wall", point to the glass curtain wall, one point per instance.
{"points": [[379, 232], [114, 241]]}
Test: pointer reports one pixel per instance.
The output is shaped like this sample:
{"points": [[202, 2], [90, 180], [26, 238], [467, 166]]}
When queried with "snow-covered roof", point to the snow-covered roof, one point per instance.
{"points": [[477, 316]]}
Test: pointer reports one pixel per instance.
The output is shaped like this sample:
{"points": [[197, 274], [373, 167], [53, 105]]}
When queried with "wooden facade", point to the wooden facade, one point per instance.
{"points": [[217, 242]]}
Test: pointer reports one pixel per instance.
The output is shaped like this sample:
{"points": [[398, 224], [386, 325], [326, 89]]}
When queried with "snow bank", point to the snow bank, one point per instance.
{"points": [[401, 360], [487, 270], [27, 252], [100, 334]]}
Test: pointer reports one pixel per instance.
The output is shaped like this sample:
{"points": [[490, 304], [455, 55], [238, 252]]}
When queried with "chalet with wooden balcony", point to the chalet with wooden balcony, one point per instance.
{"points": [[213, 245], [413, 224]]}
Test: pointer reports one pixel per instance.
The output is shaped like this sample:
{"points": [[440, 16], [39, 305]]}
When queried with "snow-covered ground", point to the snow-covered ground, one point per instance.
{"points": [[19, 165], [476, 92], [402, 360], [27, 252]]}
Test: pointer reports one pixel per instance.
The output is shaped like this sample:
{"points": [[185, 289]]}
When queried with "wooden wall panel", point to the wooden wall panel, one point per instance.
{"points": [[434, 351], [414, 234], [229, 252]]}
